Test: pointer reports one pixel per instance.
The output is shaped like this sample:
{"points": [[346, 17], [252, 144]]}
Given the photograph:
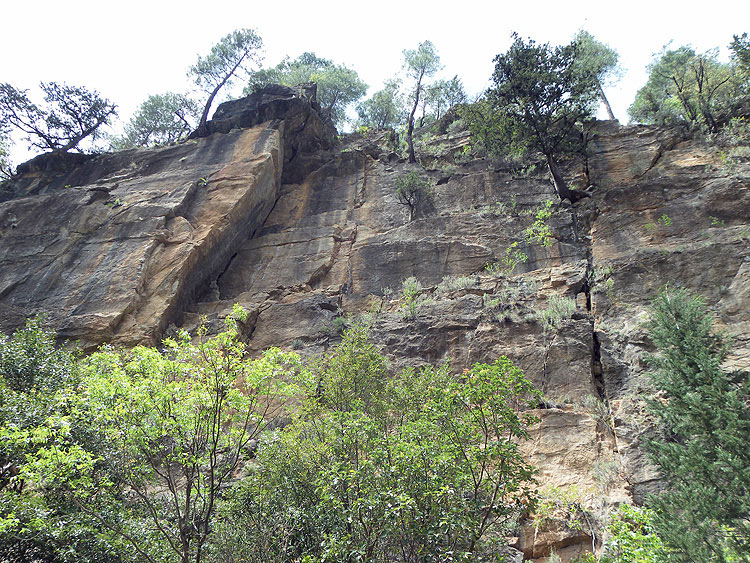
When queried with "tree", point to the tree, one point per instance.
{"points": [[230, 56], [686, 87], [384, 109], [5, 166], [440, 96], [338, 85], [37, 397], [595, 58], [72, 114], [703, 412], [740, 47], [420, 466], [160, 119], [540, 96], [420, 63], [411, 190], [171, 430]]}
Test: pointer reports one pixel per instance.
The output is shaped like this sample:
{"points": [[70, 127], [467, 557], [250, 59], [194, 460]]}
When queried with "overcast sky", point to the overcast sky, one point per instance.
{"points": [[131, 49]]}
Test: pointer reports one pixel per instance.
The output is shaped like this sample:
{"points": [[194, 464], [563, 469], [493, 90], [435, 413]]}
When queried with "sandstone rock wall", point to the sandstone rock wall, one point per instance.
{"points": [[267, 214]]}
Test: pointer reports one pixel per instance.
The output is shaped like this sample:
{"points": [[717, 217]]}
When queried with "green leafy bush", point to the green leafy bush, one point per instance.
{"points": [[421, 466]]}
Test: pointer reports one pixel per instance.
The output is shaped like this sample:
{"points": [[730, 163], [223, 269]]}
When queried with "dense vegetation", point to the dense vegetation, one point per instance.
{"points": [[133, 455], [195, 452]]}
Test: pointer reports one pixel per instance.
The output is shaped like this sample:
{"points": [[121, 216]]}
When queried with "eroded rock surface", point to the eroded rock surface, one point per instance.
{"points": [[265, 212]]}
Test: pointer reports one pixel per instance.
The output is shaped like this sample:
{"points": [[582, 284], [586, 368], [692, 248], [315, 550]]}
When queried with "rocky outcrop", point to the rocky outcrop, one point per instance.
{"points": [[113, 248], [265, 212]]}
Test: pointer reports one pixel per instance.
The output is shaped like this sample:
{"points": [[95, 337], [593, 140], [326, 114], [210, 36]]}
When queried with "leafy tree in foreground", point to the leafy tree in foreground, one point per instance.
{"points": [[687, 87], [422, 466], [338, 85], [420, 63], [539, 97], [230, 56], [160, 119], [595, 58], [37, 398], [71, 114], [704, 414], [740, 47]]}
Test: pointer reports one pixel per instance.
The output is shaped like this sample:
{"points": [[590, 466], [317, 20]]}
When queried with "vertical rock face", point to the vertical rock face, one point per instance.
{"points": [[265, 213]]}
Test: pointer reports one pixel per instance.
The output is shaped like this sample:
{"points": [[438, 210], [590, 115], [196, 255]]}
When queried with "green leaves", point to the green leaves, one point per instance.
{"points": [[416, 466], [71, 114], [703, 413], [338, 85]]}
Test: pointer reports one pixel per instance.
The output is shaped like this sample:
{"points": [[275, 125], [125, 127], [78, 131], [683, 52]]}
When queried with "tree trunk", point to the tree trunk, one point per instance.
{"points": [[605, 101], [410, 126], [557, 178]]}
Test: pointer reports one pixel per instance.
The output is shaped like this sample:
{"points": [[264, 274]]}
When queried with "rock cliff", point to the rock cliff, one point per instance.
{"points": [[268, 213]]}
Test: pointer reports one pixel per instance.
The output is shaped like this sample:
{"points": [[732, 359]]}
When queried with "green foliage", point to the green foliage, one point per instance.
{"points": [[450, 284], [160, 119], [38, 406], [539, 230], [512, 257], [538, 98], [411, 190], [740, 47], [419, 63], [632, 538], [338, 86], [687, 87], [422, 466], [595, 58], [5, 166], [701, 450], [384, 109], [231, 55], [146, 443], [71, 114], [410, 299], [558, 309]]}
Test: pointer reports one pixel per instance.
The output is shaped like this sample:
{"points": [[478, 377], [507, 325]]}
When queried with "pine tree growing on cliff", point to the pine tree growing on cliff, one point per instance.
{"points": [[704, 415], [230, 56], [71, 114]]}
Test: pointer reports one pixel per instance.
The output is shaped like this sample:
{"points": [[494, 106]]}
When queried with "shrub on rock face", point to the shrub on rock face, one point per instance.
{"points": [[411, 190]]}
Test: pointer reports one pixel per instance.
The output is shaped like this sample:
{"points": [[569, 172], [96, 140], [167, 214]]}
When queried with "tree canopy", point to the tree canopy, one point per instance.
{"points": [[160, 119], [595, 58], [539, 97], [232, 55], [70, 115], [385, 108], [338, 85], [688, 87]]}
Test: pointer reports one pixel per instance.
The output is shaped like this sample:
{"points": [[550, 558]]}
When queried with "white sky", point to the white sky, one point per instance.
{"points": [[129, 50]]}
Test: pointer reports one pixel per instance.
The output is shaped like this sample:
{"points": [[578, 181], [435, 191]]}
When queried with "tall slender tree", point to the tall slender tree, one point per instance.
{"points": [[420, 63], [594, 57], [232, 55]]}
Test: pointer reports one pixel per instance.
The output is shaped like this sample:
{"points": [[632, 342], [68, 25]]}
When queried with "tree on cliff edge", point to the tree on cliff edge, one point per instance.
{"points": [[420, 63], [539, 97], [71, 114], [227, 58]]}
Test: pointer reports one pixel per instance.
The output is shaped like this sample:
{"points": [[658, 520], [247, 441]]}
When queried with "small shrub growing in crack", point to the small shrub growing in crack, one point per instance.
{"points": [[558, 309]]}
